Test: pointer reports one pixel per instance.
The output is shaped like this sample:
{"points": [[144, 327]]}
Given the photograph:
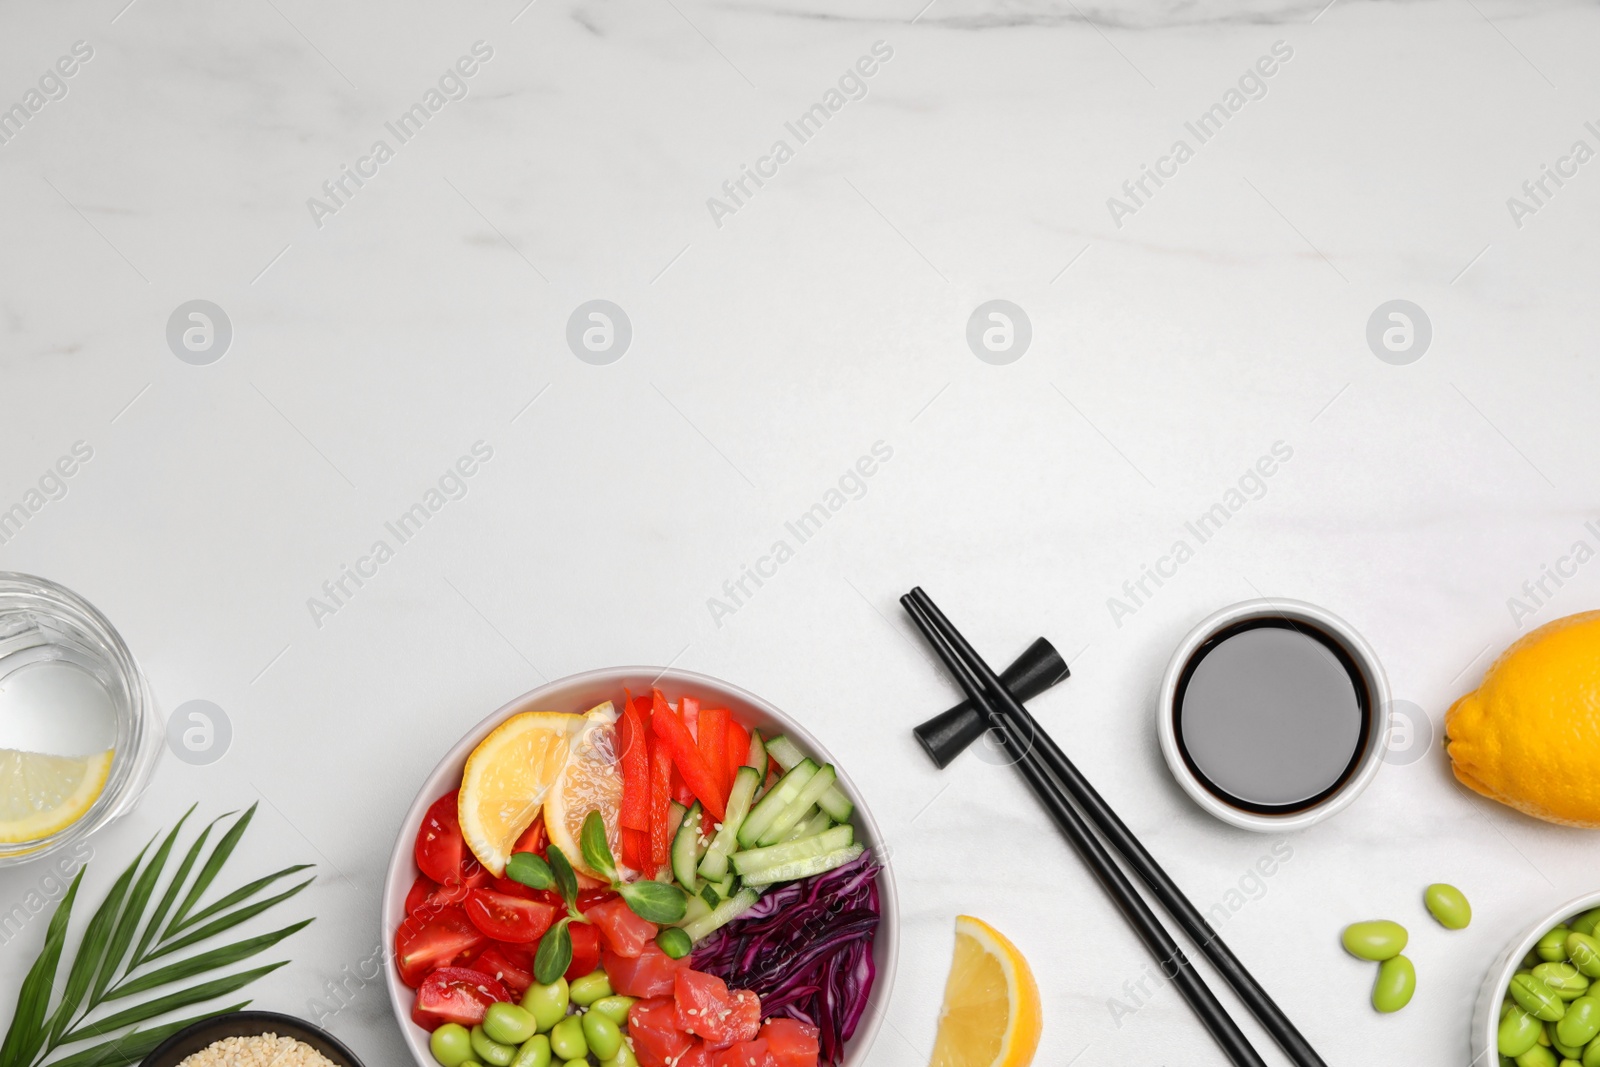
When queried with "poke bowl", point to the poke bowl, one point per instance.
{"points": [[718, 902]]}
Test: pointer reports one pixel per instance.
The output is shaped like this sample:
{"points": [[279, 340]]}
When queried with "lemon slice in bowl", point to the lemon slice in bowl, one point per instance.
{"points": [[41, 795], [591, 781], [992, 1015], [507, 778]]}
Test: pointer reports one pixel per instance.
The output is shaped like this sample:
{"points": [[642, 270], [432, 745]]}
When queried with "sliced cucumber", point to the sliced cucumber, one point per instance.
{"points": [[698, 909], [714, 865], [803, 802], [758, 755], [750, 863], [778, 798], [788, 755], [687, 849], [716, 892], [722, 914], [675, 813], [812, 825], [788, 872]]}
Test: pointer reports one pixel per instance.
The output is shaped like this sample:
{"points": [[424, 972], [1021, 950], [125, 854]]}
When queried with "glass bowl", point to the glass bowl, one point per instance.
{"points": [[70, 687]]}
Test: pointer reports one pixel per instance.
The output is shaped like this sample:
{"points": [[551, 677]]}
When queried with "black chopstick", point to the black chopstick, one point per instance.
{"points": [[1168, 955], [1016, 719]]}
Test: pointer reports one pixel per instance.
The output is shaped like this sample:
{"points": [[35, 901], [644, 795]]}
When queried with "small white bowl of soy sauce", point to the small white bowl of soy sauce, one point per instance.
{"points": [[1273, 714]]}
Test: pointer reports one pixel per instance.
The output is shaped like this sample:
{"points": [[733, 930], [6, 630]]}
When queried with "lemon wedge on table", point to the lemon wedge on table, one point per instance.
{"points": [[991, 1015], [591, 781], [507, 778], [41, 795]]}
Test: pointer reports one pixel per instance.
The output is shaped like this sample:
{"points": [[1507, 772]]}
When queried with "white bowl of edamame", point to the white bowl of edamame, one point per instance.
{"points": [[1486, 1021]]}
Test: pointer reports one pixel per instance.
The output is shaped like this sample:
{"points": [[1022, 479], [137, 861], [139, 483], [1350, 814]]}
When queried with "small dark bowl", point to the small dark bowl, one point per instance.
{"points": [[191, 1039]]}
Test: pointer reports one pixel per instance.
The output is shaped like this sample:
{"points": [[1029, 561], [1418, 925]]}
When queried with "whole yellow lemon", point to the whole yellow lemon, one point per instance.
{"points": [[1529, 736]]}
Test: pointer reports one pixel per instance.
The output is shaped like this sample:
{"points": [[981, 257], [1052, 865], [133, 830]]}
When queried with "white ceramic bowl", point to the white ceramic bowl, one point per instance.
{"points": [[578, 693], [1486, 1013], [1366, 661]]}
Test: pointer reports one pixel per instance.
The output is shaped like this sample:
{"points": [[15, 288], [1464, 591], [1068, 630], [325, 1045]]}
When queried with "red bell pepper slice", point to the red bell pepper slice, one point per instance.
{"points": [[713, 744], [660, 805], [680, 790], [689, 712], [635, 813], [738, 749], [635, 848], [674, 737]]}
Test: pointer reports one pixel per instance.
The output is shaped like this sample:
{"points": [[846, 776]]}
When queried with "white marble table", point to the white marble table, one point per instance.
{"points": [[380, 331]]}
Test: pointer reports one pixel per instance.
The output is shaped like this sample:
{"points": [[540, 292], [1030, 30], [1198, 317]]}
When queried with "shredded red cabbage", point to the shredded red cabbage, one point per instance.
{"points": [[806, 951]]}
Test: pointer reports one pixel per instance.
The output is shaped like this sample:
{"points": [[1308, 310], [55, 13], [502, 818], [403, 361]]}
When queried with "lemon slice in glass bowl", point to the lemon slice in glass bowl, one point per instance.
{"points": [[41, 795]]}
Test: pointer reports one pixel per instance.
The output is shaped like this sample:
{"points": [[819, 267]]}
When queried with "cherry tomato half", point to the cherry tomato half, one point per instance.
{"points": [[424, 942], [507, 918], [585, 950], [441, 852], [456, 995]]}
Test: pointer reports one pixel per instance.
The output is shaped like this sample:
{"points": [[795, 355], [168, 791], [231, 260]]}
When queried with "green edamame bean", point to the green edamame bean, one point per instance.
{"points": [[1563, 979], [1579, 1025], [1569, 1062], [535, 1052], [623, 1058], [603, 1035], [567, 1040], [1530, 960], [1449, 905], [590, 988], [1537, 1056], [1397, 981], [1584, 952], [491, 1051], [614, 1007], [674, 942], [1536, 998], [1563, 1049], [548, 1003], [1519, 1032], [1591, 1055], [1586, 923], [1552, 947], [1377, 940], [509, 1024], [576, 1063], [451, 1045]]}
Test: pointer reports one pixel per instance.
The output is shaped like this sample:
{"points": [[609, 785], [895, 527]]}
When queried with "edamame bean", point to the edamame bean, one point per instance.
{"points": [[603, 1035], [576, 1063], [567, 1040], [509, 1024], [1552, 947], [1580, 1024], [1536, 998], [1584, 952], [535, 1052], [1563, 979], [491, 1051], [1591, 1055], [623, 1058], [1449, 905], [1519, 1032], [1397, 981], [1564, 1050], [1537, 1056], [1586, 923], [1378, 940], [674, 942], [548, 1003], [451, 1045], [590, 988], [614, 1007], [1569, 1062]]}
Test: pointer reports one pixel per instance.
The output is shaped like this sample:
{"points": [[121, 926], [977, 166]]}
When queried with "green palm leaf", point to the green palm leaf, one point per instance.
{"points": [[92, 950], [173, 888], [183, 998], [227, 922], [135, 1046], [213, 865], [27, 1033], [215, 959], [133, 912], [240, 895]]}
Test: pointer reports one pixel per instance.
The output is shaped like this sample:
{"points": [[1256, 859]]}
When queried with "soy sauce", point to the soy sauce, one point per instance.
{"points": [[1272, 715]]}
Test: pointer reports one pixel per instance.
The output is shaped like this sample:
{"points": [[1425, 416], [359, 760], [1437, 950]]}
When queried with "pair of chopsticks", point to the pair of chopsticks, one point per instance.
{"points": [[1053, 778]]}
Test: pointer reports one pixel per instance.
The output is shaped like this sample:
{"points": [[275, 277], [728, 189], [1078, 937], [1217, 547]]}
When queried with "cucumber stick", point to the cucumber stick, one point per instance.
{"points": [[714, 865], [812, 825], [687, 849], [758, 755], [777, 799], [698, 909], [756, 860], [722, 914], [803, 802], [788, 872], [716, 892], [787, 755]]}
